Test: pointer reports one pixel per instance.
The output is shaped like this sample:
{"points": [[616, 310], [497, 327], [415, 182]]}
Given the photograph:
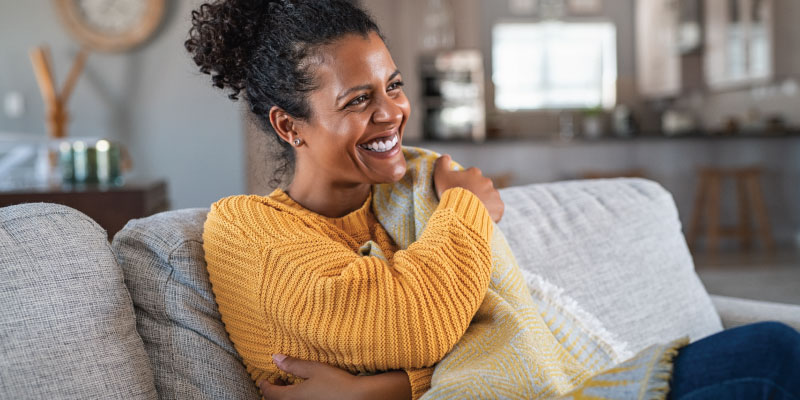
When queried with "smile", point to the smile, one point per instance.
{"points": [[381, 145]]}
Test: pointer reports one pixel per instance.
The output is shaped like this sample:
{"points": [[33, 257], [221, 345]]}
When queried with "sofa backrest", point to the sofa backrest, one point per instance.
{"points": [[67, 324], [615, 248], [165, 271], [612, 248]]}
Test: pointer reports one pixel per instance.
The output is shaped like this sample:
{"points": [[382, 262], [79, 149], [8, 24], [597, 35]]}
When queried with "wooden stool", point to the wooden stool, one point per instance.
{"points": [[708, 203]]}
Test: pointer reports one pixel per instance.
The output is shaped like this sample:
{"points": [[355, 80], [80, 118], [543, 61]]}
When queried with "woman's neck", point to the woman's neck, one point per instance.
{"points": [[329, 200]]}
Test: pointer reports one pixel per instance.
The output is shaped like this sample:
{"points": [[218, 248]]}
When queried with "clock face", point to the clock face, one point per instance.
{"points": [[111, 25], [112, 16]]}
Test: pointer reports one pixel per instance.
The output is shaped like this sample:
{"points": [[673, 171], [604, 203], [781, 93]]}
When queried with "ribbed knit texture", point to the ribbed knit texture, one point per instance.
{"points": [[517, 346], [338, 290]]}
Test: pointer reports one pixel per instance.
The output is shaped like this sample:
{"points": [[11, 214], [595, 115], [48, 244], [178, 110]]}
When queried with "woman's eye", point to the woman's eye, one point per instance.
{"points": [[358, 100], [395, 85]]}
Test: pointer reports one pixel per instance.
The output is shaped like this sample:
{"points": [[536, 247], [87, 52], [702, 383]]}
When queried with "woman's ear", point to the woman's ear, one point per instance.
{"points": [[283, 124]]}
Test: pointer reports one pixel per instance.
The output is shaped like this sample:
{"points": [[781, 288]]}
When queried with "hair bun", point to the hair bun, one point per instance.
{"points": [[223, 37]]}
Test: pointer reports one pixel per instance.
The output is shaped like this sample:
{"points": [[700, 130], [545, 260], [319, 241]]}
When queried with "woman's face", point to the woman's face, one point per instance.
{"points": [[358, 115]]}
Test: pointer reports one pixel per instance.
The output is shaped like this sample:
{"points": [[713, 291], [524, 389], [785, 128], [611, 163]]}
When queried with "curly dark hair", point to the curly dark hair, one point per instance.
{"points": [[263, 48]]}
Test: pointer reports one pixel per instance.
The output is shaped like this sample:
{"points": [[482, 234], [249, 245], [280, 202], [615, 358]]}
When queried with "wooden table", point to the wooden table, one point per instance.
{"points": [[110, 206]]}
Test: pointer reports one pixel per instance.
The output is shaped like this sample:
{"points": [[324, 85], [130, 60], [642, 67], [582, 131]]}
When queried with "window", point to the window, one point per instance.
{"points": [[553, 65]]}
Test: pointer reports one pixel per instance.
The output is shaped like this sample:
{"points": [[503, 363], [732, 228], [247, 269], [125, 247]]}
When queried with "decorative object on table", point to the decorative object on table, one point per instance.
{"points": [[593, 123], [775, 123], [438, 33], [624, 125], [731, 125], [111, 25], [675, 122], [55, 101], [566, 125], [751, 205], [453, 90], [91, 162]]}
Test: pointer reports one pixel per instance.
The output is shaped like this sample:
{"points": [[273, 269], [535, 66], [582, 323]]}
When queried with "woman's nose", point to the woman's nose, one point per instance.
{"points": [[388, 110]]}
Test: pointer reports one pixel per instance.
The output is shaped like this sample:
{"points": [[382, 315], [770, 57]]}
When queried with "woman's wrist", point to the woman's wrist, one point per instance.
{"points": [[392, 385]]}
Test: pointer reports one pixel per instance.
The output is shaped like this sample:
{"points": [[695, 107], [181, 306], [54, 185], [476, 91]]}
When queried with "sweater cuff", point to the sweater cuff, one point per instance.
{"points": [[420, 381], [470, 208]]}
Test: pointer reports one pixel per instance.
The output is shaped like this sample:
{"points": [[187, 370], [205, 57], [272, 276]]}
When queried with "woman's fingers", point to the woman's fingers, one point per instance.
{"points": [[443, 162], [297, 367], [320, 381], [471, 179], [273, 392]]}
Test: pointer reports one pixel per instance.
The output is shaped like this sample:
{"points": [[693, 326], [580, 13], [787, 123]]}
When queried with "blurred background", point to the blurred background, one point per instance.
{"points": [[102, 109]]}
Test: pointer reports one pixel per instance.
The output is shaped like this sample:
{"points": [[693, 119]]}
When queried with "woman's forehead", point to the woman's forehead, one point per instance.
{"points": [[354, 60]]}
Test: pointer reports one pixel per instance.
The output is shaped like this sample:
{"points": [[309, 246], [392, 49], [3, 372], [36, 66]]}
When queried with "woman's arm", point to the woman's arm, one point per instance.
{"points": [[405, 312], [325, 381], [298, 288]]}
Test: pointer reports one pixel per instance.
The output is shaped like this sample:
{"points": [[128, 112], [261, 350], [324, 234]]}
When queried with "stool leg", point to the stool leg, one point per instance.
{"points": [[760, 210], [713, 203], [697, 211], [743, 229]]}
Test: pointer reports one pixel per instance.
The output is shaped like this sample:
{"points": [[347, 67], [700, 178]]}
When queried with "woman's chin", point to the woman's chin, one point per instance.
{"points": [[390, 173]]}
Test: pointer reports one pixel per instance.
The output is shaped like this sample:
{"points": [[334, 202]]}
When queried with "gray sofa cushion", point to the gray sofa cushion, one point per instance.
{"points": [[616, 248], [192, 357], [67, 325]]}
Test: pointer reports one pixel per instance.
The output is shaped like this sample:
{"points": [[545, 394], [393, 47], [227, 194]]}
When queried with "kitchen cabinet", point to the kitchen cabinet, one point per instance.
{"points": [[739, 42]]}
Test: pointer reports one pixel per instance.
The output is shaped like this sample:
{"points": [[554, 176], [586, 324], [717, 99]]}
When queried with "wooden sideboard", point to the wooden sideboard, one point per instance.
{"points": [[110, 206]]}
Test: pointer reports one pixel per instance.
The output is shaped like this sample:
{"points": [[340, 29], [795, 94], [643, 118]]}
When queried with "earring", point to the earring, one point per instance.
{"points": [[297, 142]]}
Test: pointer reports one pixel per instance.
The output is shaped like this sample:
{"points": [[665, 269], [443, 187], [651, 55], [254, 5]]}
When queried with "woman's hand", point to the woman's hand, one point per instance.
{"points": [[322, 381], [471, 179]]}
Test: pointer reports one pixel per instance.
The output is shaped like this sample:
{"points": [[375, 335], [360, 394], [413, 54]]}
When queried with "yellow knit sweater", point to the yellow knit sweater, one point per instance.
{"points": [[290, 281]]}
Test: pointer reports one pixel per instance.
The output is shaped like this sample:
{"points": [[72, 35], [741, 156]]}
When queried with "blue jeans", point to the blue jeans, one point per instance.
{"points": [[758, 361]]}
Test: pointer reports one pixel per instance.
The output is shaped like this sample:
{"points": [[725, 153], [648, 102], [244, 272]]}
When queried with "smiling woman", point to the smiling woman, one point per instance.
{"points": [[309, 271], [379, 263], [353, 138]]}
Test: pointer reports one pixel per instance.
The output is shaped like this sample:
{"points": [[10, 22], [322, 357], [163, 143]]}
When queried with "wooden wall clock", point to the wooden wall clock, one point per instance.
{"points": [[111, 25]]}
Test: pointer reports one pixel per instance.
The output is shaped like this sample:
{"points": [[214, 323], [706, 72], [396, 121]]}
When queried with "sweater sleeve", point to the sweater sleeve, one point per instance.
{"points": [[420, 380], [321, 300]]}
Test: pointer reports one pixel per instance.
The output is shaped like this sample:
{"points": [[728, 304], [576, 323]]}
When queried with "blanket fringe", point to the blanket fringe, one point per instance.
{"points": [[549, 292], [659, 384]]}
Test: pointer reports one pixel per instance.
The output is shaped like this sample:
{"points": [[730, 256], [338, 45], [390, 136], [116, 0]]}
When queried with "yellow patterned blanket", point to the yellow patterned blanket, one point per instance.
{"points": [[520, 344]]}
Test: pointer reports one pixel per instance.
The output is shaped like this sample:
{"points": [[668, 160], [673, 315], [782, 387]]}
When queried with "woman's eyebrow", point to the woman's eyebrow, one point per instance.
{"points": [[363, 87]]}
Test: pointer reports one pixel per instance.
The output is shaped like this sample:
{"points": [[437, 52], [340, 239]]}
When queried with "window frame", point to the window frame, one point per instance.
{"points": [[609, 95]]}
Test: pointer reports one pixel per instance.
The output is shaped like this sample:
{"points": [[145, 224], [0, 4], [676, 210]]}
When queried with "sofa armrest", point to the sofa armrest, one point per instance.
{"points": [[736, 311]]}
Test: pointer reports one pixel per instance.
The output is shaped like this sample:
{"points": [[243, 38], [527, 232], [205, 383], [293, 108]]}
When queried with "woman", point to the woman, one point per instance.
{"points": [[312, 272]]}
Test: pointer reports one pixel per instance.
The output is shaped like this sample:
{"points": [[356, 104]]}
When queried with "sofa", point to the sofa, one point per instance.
{"points": [[135, 318]]}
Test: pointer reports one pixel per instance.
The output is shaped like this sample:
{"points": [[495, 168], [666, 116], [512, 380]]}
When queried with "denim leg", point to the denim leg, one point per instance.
{"points": [[758, 361]]}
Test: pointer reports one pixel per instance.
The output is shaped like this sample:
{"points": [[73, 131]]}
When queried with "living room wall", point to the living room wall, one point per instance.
{"points": [[152, 99]]}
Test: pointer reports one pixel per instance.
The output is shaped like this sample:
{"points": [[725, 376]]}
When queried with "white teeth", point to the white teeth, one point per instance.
{"points": [[381, 147]]}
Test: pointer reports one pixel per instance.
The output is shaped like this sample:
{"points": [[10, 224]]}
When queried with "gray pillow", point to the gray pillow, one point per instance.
{"points": [[616, 248], [67, 326], [191, 354]]}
